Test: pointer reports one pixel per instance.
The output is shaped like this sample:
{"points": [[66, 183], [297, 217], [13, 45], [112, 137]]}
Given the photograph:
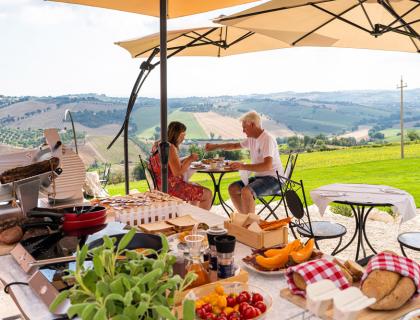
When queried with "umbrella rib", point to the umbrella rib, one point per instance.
{"points": [[399, 18], [335, 16], [366, 14], [243, 37], [246, 15]]}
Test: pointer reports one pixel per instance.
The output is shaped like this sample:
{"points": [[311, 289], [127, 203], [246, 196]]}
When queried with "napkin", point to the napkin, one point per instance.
{"points": [[187, 175], [244, 174]]}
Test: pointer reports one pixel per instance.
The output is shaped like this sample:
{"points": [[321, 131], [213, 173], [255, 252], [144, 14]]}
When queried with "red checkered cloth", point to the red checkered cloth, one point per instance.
{"points": [[390, 262], [314, 271]]}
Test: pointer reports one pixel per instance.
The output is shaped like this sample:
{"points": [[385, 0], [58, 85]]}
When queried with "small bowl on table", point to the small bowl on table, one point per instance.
{"points": [[212, 293]]}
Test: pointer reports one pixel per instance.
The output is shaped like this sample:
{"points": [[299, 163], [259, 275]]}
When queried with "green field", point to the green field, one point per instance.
{"points": [[391, 135], [116, 153], [194, 130], [353, 165]]}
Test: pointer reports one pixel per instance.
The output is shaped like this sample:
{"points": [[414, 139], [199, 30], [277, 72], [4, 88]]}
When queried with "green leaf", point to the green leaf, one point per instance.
{"points": [[150, 276], [165, 244], [117, 286], [130, 312], [101, 314], [98, 266], [188, 310], [120, 317], [165, 312], [142, 308], [108, 243], [102, 289], [114, 297], [88, 312], [128, 298], [81, 256], [125, 240], [63, 295], [90, 279], [77, 309]]}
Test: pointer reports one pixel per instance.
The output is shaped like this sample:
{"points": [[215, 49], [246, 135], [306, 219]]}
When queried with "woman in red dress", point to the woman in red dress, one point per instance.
{"points": [[193, 193]]}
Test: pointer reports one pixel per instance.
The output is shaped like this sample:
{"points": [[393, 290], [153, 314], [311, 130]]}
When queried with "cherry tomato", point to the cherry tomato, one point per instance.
{"points": [[241, 298], [231, 301], [258, 311], [247, 295], [242, 307], [256, 297], [201, 313], [220, 317], [234, 316], [261, 305], [210, 316], [249, 313], [207, 307]]}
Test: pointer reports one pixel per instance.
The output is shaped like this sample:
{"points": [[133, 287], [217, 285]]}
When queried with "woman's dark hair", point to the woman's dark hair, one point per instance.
{"points": [[175, 128]]}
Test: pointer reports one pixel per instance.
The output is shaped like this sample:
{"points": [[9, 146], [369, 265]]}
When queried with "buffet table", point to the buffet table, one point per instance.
{"points": [[33, 308]]}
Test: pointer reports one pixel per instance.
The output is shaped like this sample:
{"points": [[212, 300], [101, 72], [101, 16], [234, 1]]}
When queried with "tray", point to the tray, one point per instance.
{"points": [[366, 314]]}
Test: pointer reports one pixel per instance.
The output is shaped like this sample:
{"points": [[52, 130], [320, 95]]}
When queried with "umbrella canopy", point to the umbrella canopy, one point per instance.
{"points": [[176, 8], [392, 25], [214, 41], [163, 9]]}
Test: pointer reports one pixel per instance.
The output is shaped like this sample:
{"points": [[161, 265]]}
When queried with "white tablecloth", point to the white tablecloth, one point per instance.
{"points": [[402, 202]]}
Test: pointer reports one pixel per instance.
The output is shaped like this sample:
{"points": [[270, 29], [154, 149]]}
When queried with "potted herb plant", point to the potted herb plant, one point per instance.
{"points": [[125, 284]]}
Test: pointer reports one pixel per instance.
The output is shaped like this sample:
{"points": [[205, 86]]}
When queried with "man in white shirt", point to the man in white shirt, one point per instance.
{"points": [[265, 161]]}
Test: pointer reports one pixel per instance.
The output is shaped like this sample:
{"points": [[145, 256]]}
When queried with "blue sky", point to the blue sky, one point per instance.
{"points": [[52, 48]]}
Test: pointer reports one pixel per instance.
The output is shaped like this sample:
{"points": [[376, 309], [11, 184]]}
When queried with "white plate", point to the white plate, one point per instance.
{"points": [[392, 191], [266, 273], [332, 194], [412, 315]]}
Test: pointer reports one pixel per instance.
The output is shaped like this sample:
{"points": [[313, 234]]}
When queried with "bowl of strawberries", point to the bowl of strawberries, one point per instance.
{"points": [[230, 301]]}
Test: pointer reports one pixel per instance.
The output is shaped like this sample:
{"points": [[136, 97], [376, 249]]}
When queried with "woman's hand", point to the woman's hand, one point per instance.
{"points": [[193, 157]]}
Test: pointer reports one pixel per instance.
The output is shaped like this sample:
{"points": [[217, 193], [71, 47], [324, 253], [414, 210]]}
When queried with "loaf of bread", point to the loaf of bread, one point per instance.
{"points": [[390, 289]]}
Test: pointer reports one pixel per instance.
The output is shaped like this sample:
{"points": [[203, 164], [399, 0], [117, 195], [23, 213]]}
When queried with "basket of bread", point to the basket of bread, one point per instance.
{"points": [[388, 288]]}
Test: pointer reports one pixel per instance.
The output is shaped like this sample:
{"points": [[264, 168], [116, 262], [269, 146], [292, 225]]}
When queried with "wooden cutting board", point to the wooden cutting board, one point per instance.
{"points": [[366, 314]]}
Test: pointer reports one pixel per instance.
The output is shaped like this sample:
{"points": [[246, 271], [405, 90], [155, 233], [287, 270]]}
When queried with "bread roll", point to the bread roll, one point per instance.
{"points": [[347, 274], [355, 269], [390, 289], [380, 283], [402, 292], [299, 281], [11, 235]]}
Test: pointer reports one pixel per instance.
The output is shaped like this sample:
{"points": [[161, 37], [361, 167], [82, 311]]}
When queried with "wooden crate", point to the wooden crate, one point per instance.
{"points": [[264, 239], [242, 276]]}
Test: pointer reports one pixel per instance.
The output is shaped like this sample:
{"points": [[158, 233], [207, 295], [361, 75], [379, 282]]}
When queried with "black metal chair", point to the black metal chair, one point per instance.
{"points": [[301, 220], [410, 240], [290, 166], [148, 173], [104, 176]]}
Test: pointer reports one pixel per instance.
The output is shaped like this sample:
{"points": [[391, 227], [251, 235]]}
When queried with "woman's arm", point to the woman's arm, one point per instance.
{"points": [[178, 168]]}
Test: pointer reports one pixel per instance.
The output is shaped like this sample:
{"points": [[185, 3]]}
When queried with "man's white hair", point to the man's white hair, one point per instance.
{"points": [[253, 117]]}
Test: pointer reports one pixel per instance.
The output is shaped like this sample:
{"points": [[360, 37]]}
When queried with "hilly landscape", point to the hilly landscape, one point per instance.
{"points": [[285, 114]]}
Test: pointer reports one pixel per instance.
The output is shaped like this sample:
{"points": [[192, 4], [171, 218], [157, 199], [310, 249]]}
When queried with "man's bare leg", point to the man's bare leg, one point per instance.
{"points": [[248, 202], [235, 195]]}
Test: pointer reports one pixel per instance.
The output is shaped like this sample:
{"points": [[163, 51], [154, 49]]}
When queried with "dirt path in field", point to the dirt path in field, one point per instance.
{"points": [[359, 134], [231, 128]]}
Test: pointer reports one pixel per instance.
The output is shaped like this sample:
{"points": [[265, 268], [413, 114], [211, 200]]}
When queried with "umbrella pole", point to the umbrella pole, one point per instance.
{"points": [[164, 145]]}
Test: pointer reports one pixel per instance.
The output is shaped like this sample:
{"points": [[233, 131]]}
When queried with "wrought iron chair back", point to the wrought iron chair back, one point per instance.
{"points": [[148, 173], [104, 177], [293, 204], [289, 168]]}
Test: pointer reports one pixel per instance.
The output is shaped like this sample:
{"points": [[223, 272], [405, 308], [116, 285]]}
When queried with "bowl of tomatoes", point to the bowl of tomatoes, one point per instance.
{"points": [[230, 301]]}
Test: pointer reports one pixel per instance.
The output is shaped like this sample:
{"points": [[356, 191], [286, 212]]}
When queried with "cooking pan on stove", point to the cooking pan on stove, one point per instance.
{"points": [[139, 241], [74, 217]]}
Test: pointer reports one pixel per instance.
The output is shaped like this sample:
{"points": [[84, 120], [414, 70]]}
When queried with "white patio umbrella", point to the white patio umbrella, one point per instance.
{"points": [[164, 9], [369, 24]]}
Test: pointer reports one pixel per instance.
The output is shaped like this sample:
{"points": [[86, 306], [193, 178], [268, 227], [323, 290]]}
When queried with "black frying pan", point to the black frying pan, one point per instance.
{"points": [[140, 240]]}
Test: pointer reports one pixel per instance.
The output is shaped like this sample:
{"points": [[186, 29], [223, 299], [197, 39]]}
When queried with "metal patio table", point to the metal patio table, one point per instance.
{"points": [[216, 186], [362, 198]]}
